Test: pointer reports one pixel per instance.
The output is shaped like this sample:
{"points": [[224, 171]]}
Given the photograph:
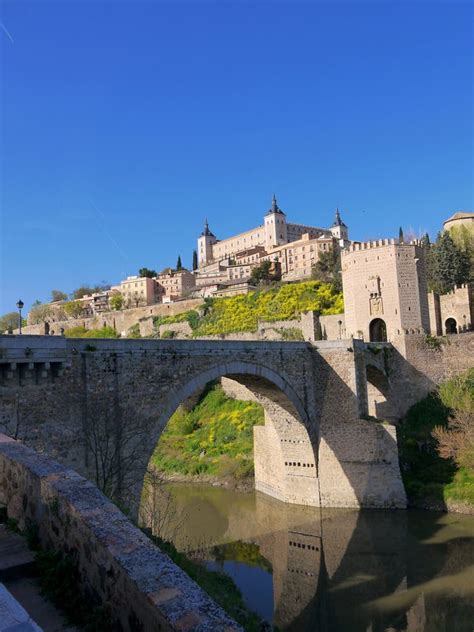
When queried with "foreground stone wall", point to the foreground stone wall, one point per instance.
{"points": [[119, 567]]}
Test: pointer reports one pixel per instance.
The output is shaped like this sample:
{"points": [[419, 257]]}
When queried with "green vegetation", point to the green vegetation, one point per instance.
{"points": [[448, 264], [214, 438], [58, 295], [116, 300], [218, 585], [243, 312], [146, 272], [10, 321], [428, 477], [238, 551], [263, 274], [134, 331], [328, 269], [82, 332], [73, 309]]}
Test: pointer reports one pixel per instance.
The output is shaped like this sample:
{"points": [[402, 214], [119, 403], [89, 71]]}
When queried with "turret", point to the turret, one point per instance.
{"points": [[205, 242], [275, 226], [339, 230]]}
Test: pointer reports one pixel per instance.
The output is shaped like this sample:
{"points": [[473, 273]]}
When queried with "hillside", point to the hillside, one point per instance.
{"points": [[215, 438], [243, 312], [431, 481]]}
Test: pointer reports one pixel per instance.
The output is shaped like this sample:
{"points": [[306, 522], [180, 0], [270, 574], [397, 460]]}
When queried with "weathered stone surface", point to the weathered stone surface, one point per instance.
{"points": [[73, 399], [119, 566], [13, 617]]}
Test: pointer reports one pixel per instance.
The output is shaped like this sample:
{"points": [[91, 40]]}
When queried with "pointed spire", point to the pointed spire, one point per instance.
{"points": [[337, 219], [275, 208], [206, 232]]}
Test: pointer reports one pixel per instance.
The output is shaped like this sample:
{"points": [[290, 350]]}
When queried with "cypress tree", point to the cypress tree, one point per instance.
{"points": [[400, 236], [450, 264], [195, 260], [179, 265]]}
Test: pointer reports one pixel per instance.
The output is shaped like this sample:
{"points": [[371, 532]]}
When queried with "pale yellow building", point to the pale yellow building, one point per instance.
{"points": [[138, 291], [272, 234], [175, 284]]}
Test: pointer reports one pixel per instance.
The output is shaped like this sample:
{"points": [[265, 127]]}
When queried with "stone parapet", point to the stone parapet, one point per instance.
{"points": [[139, 587]]}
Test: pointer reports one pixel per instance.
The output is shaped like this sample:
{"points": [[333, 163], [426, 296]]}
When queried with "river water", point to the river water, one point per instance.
{"points": [[334, 570]]}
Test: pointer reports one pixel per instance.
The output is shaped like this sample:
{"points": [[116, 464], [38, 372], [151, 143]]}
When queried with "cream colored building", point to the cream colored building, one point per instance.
{"points": [[175, 284], [272, 234], [138, 291]]}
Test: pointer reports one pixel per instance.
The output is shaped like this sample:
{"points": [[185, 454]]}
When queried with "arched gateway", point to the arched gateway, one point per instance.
{"points": [[100, 406]]}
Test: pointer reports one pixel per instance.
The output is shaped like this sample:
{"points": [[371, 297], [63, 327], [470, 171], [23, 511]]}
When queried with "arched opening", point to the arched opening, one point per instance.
{"points": [[451, 326], [378, 394], [284, 448], [378, 330]]}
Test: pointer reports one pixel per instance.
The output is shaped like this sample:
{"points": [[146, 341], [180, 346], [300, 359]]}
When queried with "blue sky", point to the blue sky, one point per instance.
{"points": [[125, 124]]}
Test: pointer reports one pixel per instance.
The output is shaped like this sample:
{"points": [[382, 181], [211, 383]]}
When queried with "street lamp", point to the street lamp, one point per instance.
{"points": [[20, 306]]}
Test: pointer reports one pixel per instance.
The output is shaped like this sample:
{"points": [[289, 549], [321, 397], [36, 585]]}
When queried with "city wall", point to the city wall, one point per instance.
{"points": [[119, 568], [121, 320]]}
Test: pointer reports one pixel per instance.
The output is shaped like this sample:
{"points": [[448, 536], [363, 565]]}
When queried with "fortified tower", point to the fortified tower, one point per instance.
{"points": [[385, 292], [205, 242], [275, 226], [339, 230]]}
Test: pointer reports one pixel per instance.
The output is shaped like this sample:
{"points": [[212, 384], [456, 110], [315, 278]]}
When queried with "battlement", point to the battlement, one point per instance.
{"points": [[377, 243]]}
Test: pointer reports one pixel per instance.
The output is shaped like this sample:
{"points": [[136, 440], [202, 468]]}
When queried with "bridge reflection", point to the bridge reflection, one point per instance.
{"points": [[340, 569]]}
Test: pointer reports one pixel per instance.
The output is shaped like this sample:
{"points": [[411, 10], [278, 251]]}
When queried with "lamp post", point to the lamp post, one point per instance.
{"points": [[20, 306]]}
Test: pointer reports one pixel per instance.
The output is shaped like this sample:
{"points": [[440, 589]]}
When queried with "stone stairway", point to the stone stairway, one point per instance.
{"points": [[22, 606]]}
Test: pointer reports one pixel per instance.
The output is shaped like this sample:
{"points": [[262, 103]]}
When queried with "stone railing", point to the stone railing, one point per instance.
{"points": [[139, 587]]}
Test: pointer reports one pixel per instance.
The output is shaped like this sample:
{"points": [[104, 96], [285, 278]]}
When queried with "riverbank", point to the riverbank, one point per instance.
{"points": [[241, 485]]}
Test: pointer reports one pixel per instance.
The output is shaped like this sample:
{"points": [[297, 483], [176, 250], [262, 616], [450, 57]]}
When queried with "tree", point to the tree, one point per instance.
{"points": [[400, 236], [179, 265], [463, 237], [39, 313], [145, 272], [328, 268], [57, 295], [116, 301], [447, 265], [262, 273], [195, 260], [9, 322], [456, 439], [73, 309], [84, 290]]}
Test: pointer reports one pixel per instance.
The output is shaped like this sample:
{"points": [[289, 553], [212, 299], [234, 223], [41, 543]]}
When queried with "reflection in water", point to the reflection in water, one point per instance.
{"points": [[333, 570]]}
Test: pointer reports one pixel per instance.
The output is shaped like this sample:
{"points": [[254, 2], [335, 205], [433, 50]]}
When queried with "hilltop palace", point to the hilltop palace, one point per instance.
{"points": [[384, 281], [292, 249]]}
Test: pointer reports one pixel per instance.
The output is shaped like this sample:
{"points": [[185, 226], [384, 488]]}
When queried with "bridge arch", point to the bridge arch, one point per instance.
{"points": [[285, 448]]}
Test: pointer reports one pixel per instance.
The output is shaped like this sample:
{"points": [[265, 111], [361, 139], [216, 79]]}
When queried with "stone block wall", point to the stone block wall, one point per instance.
{"points": [[121, 321], [120, 569]]}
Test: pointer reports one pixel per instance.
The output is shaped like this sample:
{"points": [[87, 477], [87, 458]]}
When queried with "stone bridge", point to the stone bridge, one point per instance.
{"points": [[99, 406]]}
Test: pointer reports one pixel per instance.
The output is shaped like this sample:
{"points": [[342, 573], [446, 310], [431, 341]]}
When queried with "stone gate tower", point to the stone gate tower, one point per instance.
{"points": [[385, 291]]}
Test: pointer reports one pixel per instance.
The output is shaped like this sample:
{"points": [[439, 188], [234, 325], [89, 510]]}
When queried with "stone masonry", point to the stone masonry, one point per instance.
{"points": [[120, 569], [99, 406]]}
